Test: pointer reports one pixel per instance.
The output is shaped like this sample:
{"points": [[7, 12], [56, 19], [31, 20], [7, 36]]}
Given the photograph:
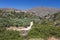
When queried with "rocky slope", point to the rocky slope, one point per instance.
{"points": [[39, 11], [9, 9], [42, 11]]}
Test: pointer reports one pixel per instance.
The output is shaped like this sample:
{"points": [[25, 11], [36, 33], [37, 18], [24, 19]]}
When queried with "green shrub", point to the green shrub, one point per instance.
{"points": [[44, 31]]}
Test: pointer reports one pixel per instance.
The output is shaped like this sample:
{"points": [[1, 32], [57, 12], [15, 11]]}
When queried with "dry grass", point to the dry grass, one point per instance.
{"points": [[52, 38], [36, 39]]}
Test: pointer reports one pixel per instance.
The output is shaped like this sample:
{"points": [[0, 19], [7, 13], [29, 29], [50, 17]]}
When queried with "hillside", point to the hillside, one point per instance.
{"points": [[42, 11], [9, 9], [42, 29], [39, 11]]}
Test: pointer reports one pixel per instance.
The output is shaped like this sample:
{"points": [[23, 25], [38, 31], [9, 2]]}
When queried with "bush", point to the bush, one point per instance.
{"points": [[44, 31]]}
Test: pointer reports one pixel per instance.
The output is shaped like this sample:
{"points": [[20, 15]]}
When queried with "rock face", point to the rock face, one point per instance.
{"points": [[42, 11]]}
